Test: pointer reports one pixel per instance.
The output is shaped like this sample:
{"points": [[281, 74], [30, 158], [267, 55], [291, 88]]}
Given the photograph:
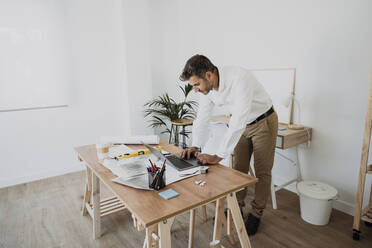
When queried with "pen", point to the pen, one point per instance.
{"points": [[159, 176], [153, 165]]}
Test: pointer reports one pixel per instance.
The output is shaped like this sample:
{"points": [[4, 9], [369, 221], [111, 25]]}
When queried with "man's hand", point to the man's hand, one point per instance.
{"points": [[189, 152], [208, 159]]}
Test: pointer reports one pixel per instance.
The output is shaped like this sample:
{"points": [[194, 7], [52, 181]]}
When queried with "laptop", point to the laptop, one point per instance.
{"points": [[175, 161]]}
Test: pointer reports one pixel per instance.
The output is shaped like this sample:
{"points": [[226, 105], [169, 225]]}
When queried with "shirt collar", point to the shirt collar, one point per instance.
{"points": [[222, 83]]}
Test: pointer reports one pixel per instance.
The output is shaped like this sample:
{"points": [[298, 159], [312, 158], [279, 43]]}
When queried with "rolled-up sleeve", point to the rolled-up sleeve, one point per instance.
{"points": [[201, 123], [243, 95]]}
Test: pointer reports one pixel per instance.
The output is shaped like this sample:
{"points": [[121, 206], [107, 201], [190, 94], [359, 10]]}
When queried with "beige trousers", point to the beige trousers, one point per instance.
{"points": [[259, 139]]}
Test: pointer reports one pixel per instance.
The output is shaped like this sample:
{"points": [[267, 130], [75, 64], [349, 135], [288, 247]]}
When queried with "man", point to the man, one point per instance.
{"points": [[252, 129]]}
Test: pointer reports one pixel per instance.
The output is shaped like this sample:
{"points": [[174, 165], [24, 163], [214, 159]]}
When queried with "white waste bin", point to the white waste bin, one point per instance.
{"points": [[316, 201]]}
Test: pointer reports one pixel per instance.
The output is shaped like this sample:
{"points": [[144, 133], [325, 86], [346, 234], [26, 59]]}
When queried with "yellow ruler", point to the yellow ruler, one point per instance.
{"points": [[137, 153]]}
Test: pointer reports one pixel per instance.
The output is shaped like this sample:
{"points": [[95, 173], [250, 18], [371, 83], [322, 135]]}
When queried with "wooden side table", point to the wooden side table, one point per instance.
{"points": [[183, 123]]}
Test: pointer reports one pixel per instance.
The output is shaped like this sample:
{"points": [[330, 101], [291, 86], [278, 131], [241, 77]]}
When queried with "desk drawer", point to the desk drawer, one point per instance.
{"points": [[293, 138]]}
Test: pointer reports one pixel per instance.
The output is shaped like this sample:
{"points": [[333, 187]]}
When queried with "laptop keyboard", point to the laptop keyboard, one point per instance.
{"points": [[179, 162]]}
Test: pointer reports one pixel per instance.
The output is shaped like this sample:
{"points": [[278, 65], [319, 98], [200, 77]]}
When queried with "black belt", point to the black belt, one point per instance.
{"points": [[263, 116]]}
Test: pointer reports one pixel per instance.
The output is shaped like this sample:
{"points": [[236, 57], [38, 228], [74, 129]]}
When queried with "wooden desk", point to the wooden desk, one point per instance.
{"points": [[153, 213]]}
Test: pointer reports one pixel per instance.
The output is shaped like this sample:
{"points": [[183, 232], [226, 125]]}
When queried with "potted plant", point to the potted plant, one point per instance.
{"points": [[164, 110]]}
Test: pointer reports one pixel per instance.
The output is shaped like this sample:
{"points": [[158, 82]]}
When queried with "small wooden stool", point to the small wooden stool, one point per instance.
{"points": [[174, 128]]}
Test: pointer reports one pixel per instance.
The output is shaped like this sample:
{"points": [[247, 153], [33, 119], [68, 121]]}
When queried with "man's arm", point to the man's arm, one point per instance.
{"points": [[200, 127], [243, 95], [201, 123]]}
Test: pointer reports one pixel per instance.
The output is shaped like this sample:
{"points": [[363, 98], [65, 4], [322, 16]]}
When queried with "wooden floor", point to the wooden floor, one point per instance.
{"points": [[47, 213]]}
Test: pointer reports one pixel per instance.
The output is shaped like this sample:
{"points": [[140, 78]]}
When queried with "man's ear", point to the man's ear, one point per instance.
{"points": [[208, 75]]}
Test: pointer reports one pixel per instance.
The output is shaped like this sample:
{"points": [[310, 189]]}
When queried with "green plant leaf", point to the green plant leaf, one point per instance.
{"points": [[164, 108]]}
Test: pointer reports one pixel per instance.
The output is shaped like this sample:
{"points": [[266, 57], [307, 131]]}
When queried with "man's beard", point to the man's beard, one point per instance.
{"points": [[209, 88]]}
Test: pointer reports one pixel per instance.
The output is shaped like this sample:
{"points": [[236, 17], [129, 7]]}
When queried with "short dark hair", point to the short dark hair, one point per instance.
{"points": [[197, 65]]}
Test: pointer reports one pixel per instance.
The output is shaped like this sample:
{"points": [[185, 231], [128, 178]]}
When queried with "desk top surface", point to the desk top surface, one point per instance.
{"points": [[149, 207]]}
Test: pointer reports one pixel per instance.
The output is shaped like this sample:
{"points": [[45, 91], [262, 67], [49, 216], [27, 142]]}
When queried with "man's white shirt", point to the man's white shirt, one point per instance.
{"points": [[246, 98]]}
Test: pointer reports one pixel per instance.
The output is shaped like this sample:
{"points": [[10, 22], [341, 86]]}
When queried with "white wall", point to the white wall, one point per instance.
{"points": [[39, 143], [137, 54], [26, 82], [329, 42]]}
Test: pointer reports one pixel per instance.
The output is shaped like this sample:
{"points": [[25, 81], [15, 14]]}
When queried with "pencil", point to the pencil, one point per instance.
{"points": [[163, 166], [159, 177], [151, 163]]}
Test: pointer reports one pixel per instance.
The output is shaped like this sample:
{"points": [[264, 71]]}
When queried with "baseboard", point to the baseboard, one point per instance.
{"points": [[340, 205], [37, 176], [343, 206]]}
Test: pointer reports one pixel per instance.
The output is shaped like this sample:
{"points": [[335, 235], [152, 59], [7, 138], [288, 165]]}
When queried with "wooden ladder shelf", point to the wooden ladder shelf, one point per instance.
{"points": [[365, 169]]}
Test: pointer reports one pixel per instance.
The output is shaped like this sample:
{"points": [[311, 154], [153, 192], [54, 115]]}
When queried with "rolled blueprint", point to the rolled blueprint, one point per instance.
{"points": [[131, 140]]}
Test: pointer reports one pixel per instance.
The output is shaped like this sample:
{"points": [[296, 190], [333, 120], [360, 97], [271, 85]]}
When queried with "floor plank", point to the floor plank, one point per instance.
{"points": [[47, 213]]}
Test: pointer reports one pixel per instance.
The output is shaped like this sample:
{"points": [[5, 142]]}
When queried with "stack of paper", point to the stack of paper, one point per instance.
{"points": [[133, 171]]}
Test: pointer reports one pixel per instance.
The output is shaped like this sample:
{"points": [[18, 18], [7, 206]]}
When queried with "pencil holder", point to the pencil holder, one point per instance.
{"points": [[156, 180]]}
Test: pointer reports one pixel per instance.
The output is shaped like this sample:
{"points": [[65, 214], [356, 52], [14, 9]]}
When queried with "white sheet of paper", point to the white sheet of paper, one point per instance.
{"points": [[130, 167], [119, 150], [138, 182]]}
